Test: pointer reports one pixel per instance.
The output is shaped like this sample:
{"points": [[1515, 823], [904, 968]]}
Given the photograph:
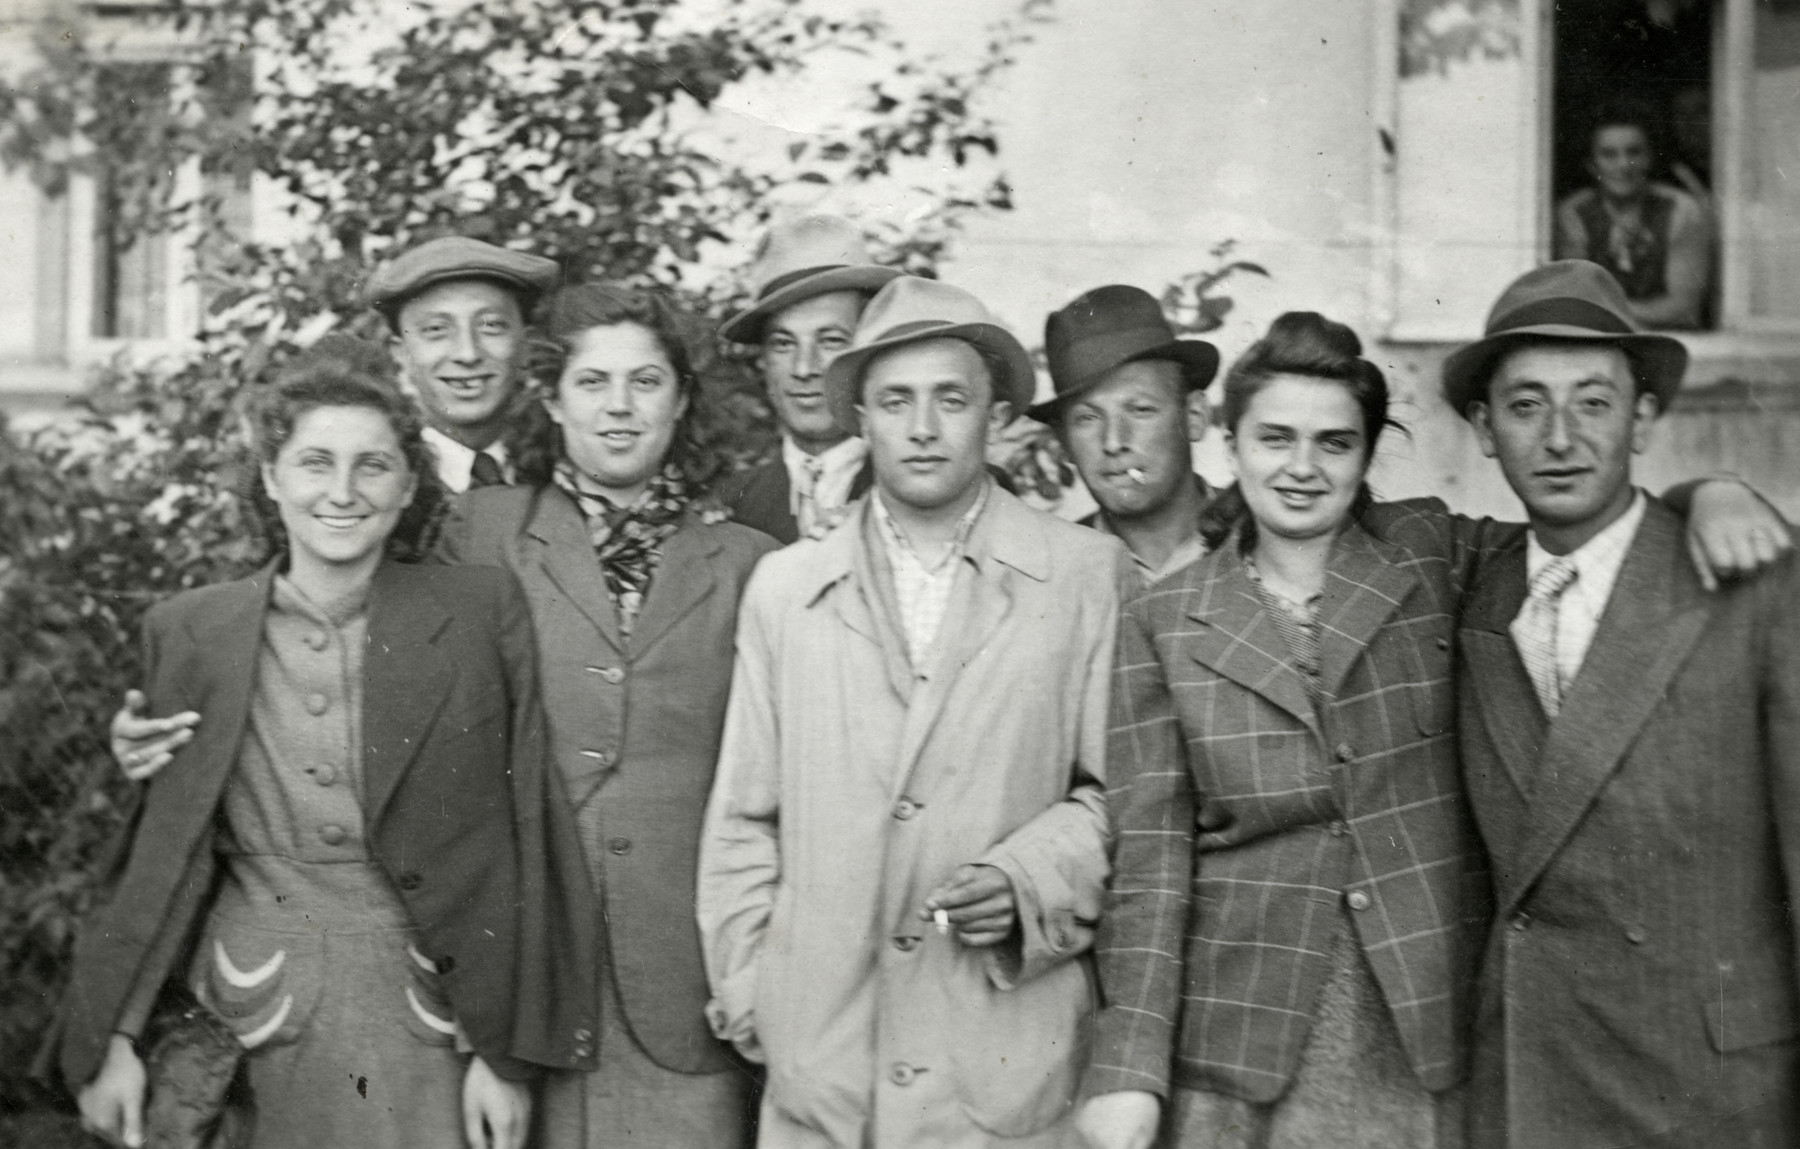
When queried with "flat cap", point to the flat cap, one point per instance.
{"points": [[457, 257]]}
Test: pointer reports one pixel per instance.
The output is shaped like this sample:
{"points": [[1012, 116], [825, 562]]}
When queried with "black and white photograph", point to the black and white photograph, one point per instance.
{"points": [[848, 574]]}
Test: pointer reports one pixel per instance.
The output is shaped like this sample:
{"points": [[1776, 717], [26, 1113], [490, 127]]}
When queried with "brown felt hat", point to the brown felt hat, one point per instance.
{"points": [[810, 256], [458, 257], [1109, 327], [912, 309], [1570, 299]]}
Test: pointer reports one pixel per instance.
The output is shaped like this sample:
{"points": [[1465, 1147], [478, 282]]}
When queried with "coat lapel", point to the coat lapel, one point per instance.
{"points": [[230, 636], [1240, 640], [1508, 702], [849, 587], [684, 579], [1002, 548], [1655, 615], [405, 679], [1365, 584], [566, 555]]}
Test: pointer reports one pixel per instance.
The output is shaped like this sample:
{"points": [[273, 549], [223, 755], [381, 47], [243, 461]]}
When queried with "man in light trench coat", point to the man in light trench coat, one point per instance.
{"points": [[906, 847]]}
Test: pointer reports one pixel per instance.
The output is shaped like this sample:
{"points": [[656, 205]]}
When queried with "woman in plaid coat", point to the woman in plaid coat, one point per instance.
{"points": [[1298, 895]]}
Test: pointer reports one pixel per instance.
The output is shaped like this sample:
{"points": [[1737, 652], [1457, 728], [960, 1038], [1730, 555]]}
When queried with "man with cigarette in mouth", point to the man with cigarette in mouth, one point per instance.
{"points": [[905, 850], [1130, 402]]}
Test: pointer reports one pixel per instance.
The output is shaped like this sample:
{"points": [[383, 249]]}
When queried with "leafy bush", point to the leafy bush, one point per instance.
{"points": [[572, 127]]}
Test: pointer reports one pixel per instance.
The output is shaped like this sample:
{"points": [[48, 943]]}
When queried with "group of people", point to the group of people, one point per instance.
{"points": [[848, 801]]}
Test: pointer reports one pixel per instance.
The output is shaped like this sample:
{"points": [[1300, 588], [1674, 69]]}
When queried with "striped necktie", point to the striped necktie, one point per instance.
{"points": [[1534, 631]]}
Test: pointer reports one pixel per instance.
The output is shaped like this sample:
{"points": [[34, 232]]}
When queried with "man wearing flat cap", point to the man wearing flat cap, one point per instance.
{"points": [[1130, 403], [457, 308], [812, 278], [901, 868], [1631, 743]]}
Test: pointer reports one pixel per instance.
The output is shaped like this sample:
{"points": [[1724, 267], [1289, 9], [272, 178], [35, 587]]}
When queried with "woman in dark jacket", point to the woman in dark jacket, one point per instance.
{"points": [[633, 582], [358, 862]]}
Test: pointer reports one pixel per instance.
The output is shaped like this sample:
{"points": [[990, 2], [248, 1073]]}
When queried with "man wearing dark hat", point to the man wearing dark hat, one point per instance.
{"points": [[1130, 402], [906, 845], [813, 276], [457, 307], [1632, 748]]}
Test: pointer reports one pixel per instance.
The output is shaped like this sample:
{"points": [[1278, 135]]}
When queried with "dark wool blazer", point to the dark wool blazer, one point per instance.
{"points": [[1247, 823], [634, 732], [1640, 985], [460, 813]]}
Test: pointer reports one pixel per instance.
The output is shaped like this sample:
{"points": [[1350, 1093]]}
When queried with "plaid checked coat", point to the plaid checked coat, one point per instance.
{"points": [[1246, 823]]}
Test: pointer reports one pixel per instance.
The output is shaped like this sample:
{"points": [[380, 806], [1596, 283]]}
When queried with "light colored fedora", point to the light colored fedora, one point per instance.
{"points": [[800, 259], [1570, 299], [911, 309]]}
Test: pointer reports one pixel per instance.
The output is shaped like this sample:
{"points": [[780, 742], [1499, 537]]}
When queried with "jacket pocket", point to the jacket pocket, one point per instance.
{"points": [[429, 1016], [1021, 1053], [264, 986], [1749, 1016]]}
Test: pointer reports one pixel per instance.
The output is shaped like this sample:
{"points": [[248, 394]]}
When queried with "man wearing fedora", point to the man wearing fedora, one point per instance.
{"points": [[900, 873], [812, 278], [456, 308], [1631, 743], [1130, 402]]}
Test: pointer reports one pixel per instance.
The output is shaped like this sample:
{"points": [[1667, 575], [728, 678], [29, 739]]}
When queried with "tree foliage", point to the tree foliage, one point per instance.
{"points": [[580, 129]]}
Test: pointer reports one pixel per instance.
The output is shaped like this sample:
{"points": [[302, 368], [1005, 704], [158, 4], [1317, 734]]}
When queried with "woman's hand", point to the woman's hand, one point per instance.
{"points": [[1123, 1120], [142, 745], [496, 1112], [112, 1104]]}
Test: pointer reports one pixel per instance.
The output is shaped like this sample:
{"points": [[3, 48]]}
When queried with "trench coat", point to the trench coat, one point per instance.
{"points": [[850, 787], [1641, 984], [460, 811]]}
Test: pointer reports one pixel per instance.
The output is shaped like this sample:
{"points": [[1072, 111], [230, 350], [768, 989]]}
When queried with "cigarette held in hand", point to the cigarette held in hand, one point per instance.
{"points": [[1135, 475], [941, 920]]}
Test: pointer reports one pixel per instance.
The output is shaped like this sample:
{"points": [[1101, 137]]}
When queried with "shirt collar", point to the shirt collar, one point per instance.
{"points": [[1601, 556], [895, 537], [845, 456], [456, 461], [1191, 549]]}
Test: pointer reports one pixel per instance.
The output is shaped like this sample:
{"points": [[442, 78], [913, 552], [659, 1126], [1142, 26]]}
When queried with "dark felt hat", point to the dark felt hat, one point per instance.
{"points": [[1109, 327], [457, 257], [802, 258], [1570, 299], [911, 309]]}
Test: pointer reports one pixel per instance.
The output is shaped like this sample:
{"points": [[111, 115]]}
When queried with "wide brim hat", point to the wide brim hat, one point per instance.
{"points": [[912, 309], [1570, 299], [813, 255], [458, 257], [1106, 328]]}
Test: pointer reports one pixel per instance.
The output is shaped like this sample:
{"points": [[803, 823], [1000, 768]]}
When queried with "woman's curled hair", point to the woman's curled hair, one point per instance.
{"points": [[577, 308], [342, 371], [1307, 344]]}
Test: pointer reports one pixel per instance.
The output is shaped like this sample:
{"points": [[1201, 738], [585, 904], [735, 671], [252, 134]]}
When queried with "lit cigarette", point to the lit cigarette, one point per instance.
{"points": [[1135, 475], [941, 920]]}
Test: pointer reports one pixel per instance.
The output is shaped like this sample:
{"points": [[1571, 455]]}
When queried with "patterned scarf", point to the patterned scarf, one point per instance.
{"points": [[628, 541]]}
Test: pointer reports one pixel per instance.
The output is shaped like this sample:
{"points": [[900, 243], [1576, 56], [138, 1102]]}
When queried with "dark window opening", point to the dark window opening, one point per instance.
{"points": [[1631, 166]]}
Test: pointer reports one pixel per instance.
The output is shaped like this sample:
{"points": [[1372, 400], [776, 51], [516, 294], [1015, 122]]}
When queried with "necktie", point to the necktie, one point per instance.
{"points": [[808, 516], [485, 472], [1534, 631]]}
